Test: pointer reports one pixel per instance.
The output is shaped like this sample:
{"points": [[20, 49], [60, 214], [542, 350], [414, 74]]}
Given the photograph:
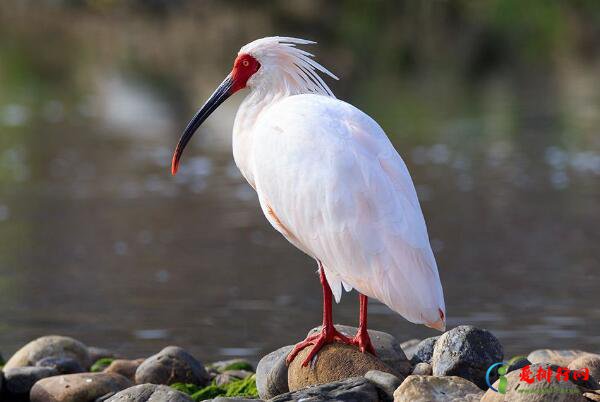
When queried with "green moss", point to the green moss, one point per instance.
{"points": [[245, 388], [101, 364], [239, 366]]}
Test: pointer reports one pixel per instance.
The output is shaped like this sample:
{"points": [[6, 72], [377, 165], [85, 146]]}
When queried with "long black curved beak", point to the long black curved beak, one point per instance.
{"points": [[219, 96]]}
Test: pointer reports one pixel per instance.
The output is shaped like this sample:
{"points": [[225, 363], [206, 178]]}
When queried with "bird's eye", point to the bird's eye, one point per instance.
{"points": [[245, 63]]}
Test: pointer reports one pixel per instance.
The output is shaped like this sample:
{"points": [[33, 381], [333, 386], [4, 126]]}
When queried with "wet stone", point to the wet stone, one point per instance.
{"points": [[171, 365], [49, 346]]}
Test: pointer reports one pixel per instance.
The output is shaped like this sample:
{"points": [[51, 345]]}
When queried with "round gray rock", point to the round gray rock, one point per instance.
{"points": [[272, 373], [49, 346], [20, 380], [466, 352], [423, 351], [351, 390], [387, 348], [171, 365], [78, 387], [150, 393]]}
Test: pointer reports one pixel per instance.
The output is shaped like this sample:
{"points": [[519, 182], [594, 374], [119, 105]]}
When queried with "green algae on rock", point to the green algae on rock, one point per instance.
{"points": [[244, 388]]}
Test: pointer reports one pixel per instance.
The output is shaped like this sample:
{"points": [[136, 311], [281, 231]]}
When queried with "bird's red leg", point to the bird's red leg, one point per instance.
{"points": [[328, 332], [361, 339]]}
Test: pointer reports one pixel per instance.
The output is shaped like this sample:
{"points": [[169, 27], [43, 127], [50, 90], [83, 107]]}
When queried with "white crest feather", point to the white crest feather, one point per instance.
{"points": [[297, 67]]}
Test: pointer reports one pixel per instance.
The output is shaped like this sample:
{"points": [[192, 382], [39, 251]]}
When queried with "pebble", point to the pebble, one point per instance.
{"points": [[335, 361], [418, 388], [386, 383], [49, 346], [19, 380], [538, 391], [272, 373], [386, 346], [77, 387], [423, 369], [172, 364], [348, 390], [466, 352], [423, 351], [63, 365], [150, 393], [126, 368]]}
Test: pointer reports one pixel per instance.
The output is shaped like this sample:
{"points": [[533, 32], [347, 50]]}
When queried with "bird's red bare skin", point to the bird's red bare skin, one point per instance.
{"points": [[362, 339], [328, 332]]}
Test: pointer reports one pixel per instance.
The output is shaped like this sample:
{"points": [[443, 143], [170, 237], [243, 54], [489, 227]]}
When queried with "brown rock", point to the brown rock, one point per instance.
{"points": [[77, 387], [49, 346], [590, 361], [386, 346], [124, 367], [418, 388], [335, 361]]}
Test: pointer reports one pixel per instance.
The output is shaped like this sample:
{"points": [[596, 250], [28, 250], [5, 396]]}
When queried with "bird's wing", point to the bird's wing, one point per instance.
{"points": [[329, 179]]}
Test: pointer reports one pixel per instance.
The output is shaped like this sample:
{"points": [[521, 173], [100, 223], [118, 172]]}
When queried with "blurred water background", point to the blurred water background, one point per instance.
{"points": [[494, 105]]}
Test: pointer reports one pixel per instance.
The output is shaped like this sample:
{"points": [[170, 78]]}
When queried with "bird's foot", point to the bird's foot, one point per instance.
{"points": [[327, 335], [363, 342]]}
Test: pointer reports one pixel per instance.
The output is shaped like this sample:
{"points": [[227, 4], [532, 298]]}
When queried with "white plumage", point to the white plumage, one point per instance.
{"points": [[330, 181]]}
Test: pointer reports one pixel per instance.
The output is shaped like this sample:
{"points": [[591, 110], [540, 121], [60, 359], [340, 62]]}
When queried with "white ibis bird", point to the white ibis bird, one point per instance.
{"points": [[329, 180]]}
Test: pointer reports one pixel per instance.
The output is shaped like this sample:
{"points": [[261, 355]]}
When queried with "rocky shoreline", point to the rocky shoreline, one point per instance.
{"points": [[450, 367]]}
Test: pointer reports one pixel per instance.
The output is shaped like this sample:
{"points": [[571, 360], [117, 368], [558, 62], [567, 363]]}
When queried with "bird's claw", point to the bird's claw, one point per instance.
{"points": [[363, 342], [327, 335]]}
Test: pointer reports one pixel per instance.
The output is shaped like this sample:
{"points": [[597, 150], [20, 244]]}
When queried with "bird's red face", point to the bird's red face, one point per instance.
{"points": [[244, 67]]}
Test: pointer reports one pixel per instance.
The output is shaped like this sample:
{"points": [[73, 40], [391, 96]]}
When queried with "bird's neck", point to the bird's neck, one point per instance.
{"points": [[256, 102]]}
